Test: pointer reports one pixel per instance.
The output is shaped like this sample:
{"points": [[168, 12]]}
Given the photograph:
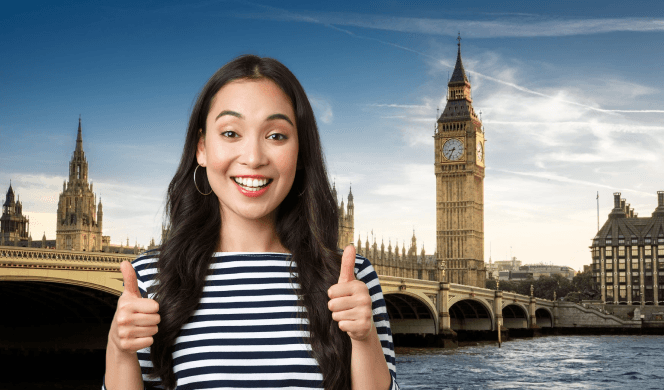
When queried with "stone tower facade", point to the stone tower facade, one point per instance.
{"points": [[14, 226], [346, 219], [459, 169], [79, 219]]}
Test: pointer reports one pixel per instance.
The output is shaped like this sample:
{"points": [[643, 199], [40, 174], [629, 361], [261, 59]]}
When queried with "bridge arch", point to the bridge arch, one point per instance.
{"points": [[411, 312], [470, 314], [544, 317], [51, 316], [515, 316], [106, 281]]}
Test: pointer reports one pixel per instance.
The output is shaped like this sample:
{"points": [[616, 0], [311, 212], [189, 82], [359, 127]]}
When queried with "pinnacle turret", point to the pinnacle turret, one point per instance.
{"points": [[79, 137]]}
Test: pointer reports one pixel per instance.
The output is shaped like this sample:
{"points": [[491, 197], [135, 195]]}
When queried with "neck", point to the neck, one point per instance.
{"points": [[241, 235]]}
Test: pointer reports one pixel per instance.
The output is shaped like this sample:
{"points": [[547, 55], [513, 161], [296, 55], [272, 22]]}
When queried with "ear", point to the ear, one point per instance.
{"points": [[201, 156]]}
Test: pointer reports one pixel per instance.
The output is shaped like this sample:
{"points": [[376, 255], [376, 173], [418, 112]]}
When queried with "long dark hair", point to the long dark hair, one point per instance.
{"points": [[306, 225]]}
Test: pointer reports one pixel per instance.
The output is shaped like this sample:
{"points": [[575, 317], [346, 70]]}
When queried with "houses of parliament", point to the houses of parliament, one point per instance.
{"points": [[459, 164]]}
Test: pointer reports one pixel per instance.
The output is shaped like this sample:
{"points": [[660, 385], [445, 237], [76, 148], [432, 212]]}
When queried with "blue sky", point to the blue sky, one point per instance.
{"points": [[570, 94]]}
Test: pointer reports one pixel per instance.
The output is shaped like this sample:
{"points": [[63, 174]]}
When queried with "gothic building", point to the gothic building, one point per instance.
{"points": [[459, 170], [14, 226], [407, 264], [79, 218], [346, 218], [628, 255]]}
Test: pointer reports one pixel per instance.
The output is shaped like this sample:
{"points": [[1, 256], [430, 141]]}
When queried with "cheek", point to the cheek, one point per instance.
{"points": [[287, 163]]}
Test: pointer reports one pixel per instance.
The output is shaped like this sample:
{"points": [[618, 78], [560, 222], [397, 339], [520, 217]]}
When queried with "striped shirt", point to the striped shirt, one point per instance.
{"points": [[247, 332]]}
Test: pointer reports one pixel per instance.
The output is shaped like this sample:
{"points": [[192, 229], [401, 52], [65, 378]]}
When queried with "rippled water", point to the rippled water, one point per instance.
{"points": [[556, 362]]}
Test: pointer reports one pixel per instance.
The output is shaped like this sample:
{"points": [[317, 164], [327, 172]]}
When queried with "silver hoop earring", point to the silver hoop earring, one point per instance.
{"points": [[199, 191]]}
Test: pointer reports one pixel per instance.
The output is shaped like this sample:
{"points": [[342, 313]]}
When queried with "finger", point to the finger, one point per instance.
{"points": [[141, 319], [347, 272], [341, 304], [354, 314], [138, 332], [135, 344], [143, 305], [357, 330], [345, 289], [129, 279], [349, 302]]}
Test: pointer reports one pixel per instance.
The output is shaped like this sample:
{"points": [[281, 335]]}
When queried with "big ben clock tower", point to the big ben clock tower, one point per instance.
{"points": [[459, 167]]}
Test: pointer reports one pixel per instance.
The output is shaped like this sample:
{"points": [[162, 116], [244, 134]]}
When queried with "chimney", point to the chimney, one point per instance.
{"points": [[619, 210], [659, 211], [616, 200]]}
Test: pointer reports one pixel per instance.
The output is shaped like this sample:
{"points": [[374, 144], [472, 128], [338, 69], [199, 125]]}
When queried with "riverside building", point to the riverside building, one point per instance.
{"points": [[628, 256]]}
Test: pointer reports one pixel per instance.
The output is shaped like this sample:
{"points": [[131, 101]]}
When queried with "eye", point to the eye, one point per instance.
{"points": [[277, 137], [230, 134]]}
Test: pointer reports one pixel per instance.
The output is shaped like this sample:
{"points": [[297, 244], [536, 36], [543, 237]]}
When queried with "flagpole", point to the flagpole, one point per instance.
{"points": [[598, 211]]}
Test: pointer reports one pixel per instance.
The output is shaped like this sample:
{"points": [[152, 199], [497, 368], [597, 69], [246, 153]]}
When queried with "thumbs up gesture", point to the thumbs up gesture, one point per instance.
{"points": [[350, 302], [136, 318]]}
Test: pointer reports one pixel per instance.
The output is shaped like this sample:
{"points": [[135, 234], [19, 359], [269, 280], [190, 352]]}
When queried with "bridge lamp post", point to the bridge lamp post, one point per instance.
{"points": [[500, 324]]}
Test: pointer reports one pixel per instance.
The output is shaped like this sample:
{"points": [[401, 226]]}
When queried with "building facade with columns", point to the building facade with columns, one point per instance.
{"points": [[79, 217], [628, 255]]}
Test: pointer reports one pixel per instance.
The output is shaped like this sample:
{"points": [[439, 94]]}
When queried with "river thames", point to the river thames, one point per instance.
{"points": [[554, 362]]}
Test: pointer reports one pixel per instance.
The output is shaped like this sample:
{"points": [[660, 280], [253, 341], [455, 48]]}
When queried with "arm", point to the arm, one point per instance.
{"points": [[359, 308], [368, 367], [122, 370], [134, 324]]}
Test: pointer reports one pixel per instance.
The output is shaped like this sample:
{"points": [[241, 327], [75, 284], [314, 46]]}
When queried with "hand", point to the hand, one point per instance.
{"points": [[350, 302], [136, 318]]}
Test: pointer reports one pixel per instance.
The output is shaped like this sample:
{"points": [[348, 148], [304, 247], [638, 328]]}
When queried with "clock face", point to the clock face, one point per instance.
{"points": [[453, 149], [480, 152]]}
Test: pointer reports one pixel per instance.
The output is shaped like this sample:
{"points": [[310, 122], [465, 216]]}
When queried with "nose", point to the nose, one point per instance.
{"points": [[253, 153]]}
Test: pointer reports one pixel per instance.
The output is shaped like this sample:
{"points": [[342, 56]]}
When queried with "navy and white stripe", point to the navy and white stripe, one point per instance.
{"points": [[247, 332]]}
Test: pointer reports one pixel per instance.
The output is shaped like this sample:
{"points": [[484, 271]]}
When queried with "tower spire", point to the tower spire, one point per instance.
{"points": [[459, 74], [79, 137]]}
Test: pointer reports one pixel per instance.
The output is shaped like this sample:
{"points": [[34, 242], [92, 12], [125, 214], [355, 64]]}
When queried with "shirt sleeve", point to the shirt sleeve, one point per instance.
{"points": [[145, 267], [365, 272]]}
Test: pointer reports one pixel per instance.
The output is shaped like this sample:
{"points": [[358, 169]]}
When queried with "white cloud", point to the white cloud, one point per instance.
{"points": [[134, 210], [322, 108], [514, 26]]}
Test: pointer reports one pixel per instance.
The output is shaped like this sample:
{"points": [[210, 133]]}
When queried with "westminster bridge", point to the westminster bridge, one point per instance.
{"points": [[56, 299]]}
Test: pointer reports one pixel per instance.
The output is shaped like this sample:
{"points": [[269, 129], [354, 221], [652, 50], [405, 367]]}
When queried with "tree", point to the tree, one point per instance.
{"points": [[584, 288], [542, 287]]}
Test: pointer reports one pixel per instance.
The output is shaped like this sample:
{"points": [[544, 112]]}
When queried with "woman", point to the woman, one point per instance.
{"points": [[249, 289]]}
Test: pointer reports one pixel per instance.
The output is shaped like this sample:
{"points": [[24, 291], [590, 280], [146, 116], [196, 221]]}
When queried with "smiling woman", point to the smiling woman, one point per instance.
{"points": [[249, 288], [250, 150]]}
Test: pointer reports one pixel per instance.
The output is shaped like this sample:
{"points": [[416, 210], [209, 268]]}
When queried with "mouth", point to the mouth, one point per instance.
{"points": [[252, 184]]}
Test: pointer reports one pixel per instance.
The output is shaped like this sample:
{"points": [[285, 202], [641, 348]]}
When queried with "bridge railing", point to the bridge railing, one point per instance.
{"points": [[31, 254]]}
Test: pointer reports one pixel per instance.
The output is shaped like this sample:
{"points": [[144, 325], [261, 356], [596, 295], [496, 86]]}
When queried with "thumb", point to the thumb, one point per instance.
{"points": [[129, 278], [347, 273]]}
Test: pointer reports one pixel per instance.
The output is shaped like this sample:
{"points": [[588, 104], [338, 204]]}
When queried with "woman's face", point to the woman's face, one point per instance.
{"points": [[250, 148]]}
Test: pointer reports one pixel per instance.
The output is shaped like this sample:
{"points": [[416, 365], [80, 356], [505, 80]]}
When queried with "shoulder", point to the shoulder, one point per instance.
{"points": [[145, 266], [146, 260]]}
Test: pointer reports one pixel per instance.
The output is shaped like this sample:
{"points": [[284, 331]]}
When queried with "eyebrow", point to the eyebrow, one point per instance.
{"points": [[269, 118], [280, 116]]}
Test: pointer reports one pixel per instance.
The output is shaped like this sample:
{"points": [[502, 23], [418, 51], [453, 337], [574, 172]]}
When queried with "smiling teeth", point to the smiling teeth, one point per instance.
{"points": [[251, 184]]}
